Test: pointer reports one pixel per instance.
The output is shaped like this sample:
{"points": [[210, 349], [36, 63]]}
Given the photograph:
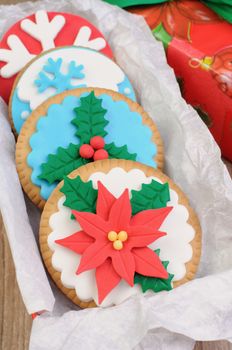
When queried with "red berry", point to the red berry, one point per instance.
{"points": [[86, 151], [97, 142], [100, 154]]}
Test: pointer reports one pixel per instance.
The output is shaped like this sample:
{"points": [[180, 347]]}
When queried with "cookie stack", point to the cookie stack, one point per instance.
{"points": [[88, 155]]}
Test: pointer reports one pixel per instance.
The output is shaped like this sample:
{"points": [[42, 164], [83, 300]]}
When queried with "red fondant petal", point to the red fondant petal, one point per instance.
{"points": [[78, 242], [148, 263], [105, 201], [106, 279], [120, 213], [152, 217], [124, 265], [92, 224], [141, 236], [95, 255]]}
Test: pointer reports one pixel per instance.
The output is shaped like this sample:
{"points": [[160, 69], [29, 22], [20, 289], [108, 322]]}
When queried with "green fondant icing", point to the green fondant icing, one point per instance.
{"points": [[152, 196], [119, 152], [79, 195], [89, 118], [62, 163]]}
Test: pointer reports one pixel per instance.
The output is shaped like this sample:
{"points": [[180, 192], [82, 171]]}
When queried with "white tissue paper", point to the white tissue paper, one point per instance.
{"points": [[198, 310]]}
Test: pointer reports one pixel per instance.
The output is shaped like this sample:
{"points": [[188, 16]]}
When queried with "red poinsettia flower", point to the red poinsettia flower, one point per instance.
{"points": [[115, 242], [177, 16]]}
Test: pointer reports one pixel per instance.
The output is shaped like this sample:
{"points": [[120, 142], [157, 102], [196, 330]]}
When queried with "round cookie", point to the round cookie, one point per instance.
{"points": [[51, 140], [59, 70], [40, 32], [101, 258]]}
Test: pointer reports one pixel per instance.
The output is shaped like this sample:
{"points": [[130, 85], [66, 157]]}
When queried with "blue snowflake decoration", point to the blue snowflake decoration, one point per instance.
{"points": [[54, 78]]}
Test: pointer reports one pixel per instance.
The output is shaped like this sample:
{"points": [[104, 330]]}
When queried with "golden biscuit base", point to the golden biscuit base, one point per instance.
{"points": [[23, 148], [105, 166]]}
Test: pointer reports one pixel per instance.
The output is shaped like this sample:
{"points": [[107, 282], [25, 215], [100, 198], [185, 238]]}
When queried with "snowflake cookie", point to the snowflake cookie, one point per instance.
{"points": [[78, 127], [63, 69], [116, 229], [40, 32]]}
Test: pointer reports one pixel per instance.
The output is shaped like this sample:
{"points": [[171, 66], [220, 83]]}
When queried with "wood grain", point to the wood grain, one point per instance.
{"points": [[15, 323]]}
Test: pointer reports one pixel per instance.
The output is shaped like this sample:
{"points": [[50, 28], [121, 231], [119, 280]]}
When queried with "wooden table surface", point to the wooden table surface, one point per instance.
{"points": [[15, 323]]}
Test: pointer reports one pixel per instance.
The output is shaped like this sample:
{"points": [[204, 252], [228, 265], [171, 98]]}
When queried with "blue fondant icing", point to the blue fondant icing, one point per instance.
{"points": [[55, 129], [20, 111], [61, 82], [125, 88]]}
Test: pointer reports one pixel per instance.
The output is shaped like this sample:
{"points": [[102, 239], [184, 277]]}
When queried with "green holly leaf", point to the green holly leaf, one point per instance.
{"points": [[80, 195], [119, 152], [152, 283], [160, 34], [62, 163], [89, 118], [151, 196]]}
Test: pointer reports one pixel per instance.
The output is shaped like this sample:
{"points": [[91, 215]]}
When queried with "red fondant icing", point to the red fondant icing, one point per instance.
{"points": [[100, 154], [105, 200], [97, 142], [111, 264], [65, 37], [86, 151]]}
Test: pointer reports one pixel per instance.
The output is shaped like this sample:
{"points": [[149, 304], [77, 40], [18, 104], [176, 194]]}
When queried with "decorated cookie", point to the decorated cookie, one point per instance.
{"points": [[77, 127], [117, 228], [63, 69], [40, 32]]}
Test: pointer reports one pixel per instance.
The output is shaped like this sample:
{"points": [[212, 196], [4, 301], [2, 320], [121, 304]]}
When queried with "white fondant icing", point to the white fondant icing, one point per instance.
{"points": [[174, 247], [83, 39], [24, 114], [43, 30], [17, 56], [99, 71], [127, 91]]}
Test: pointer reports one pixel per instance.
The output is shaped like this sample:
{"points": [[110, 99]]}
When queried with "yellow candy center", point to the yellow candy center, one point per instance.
{"points": [[117, 239]]}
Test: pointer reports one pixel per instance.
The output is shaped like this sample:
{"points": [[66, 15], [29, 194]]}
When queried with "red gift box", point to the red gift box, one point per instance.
{"points": [[198, 45]]}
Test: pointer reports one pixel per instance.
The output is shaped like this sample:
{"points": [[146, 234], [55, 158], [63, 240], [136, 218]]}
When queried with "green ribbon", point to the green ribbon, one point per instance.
{"points": [[222, 7]]}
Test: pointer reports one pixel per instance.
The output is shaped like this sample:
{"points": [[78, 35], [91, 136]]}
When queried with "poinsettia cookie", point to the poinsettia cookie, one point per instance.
{"points": [[40, 32], [81, 126], [117, 228], [59, 70]]}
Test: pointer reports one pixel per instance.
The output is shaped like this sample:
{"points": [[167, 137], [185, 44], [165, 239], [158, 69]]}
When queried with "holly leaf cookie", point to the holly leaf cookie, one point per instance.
{"points": [[78, 127]]}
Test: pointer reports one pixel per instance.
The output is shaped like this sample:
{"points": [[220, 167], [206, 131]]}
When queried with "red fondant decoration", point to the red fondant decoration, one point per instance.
{"points": [[100, 154], [107, 278], [66, 36], [113, 265], [97, 142], [105, 200], [78, 242], [86, 151]]}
